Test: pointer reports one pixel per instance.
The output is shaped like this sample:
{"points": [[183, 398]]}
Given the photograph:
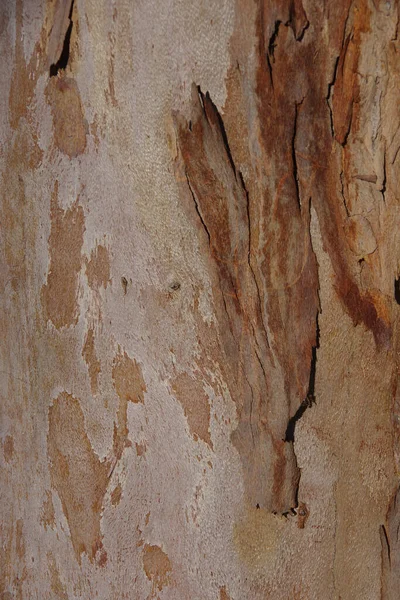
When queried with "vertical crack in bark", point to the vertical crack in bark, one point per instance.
{"points": [[271, 49], [342, 194], [250, 265], [297, 20], [394, 39], [272, 39], [343, 142], [390, 544], [329, 94], [64, 56], [269, 64], [386, 566], [196, 205], [309, 400], [397, 290], [338, 66], [385, 541], [227, 315], [383, 185], [261, 364], [294, 157], [204, 98]]}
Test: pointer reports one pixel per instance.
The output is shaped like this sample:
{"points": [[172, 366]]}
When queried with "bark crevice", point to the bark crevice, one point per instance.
{"points": [[294, 155], [63, 60], [309, 400], [196, 205]]}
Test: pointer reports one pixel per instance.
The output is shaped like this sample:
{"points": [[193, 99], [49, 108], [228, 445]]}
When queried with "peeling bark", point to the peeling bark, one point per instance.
{"points": [[200, 300]]}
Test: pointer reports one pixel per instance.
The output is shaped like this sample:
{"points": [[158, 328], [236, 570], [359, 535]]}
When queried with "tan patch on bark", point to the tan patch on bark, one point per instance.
{"points": [[5, 556], [93, 363], [19, 539], [195, 404], [102, 561], [56, 584], [130, 387], [24, 156], [48, 518], [157, 566], [141, 449], [69, 125], [256, 536], [223, 594], [128, 378], [26, 153], [77, 474], [59, 294], [116, 495], [8, 448], [98, 268]]}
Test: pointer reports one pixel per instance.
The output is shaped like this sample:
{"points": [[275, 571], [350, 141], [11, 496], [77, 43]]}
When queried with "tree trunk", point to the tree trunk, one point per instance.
{"points": [[199, 289]]}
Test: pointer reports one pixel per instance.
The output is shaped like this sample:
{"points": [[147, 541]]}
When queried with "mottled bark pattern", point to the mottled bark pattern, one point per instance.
{"points": [[200, 290]]}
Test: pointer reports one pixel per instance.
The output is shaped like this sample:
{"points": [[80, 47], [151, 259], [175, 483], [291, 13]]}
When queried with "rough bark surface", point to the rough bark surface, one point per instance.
{"points": [[200, 289]]}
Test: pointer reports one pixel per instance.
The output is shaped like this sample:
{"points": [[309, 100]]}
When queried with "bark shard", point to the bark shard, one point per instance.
{"points": [[222, 205], [63, 59]]}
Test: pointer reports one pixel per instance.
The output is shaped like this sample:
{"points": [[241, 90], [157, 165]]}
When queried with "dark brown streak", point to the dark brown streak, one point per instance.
{"points": [[293, 20], [270, 72], [328, 96], [269, 52], [341, 136], [309, 400], [236, 294], [383, 189], [227, 315], [198, 208], [272, 39], [207, 100], [346, 135], [260, 363], [385, 539], [342, 194], [294, 158]]}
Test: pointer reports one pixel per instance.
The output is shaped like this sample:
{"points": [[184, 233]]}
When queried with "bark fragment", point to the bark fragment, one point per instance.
{"points": [[77, 474], [59, 294], [196, 406], [60, 36], [221, 202], [69, 124], [157, 567], [92, 362], [98, 268]]}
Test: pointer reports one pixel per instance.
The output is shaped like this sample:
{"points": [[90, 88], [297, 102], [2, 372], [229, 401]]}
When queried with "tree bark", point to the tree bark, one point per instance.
{"points": [[200, 289]]}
